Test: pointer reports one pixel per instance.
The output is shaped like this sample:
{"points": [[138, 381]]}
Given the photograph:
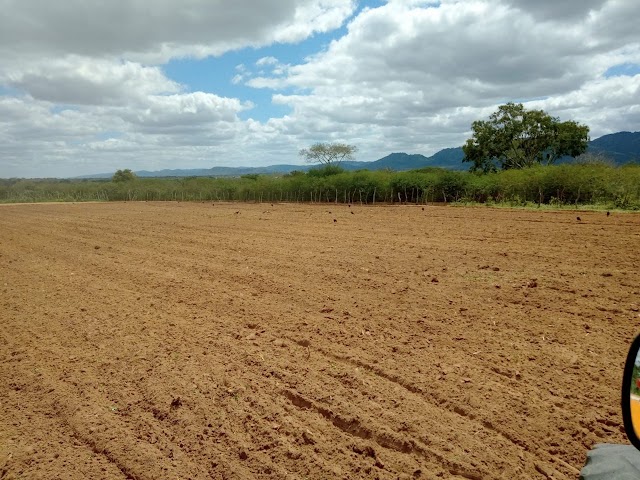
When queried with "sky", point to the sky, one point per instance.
{"points": [[89, 86]]}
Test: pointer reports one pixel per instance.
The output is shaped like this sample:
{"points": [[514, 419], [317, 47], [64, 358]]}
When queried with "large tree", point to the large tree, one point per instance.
{"points": [[328, 153], [125, 175], [516, 138]]}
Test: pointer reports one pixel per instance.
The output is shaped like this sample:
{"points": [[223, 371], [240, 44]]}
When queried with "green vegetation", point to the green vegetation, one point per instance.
{"points": [[517, 138], [635, 375], [125, 175], [590, 182], [328, 153]]}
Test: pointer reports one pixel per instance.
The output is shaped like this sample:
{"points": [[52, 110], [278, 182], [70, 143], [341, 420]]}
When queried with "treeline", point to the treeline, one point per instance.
{"points": [[591, 183]]}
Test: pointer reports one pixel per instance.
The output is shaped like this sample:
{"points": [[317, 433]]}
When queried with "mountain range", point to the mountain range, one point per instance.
{"points": [[621, 148]]}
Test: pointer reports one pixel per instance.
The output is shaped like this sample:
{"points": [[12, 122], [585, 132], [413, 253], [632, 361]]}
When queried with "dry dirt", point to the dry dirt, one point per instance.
{"points": [[175, 340]]}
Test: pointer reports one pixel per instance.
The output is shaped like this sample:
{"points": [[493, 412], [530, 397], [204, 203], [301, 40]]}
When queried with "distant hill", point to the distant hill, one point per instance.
{"points": [[222, 171], [210, 172], [398, 161], [449, 158], [621, 147]]}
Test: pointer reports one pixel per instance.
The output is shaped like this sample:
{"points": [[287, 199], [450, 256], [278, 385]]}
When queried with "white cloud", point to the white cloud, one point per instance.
{"points": [[175, 113], [267, 61], [156, 30], [558, 11], [82, 78], [83, 90], [406, 69], [607, 105], [86, 81], [322, 16]]}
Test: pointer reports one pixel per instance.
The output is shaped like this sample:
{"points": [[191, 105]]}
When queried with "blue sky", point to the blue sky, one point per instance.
{"points": [[245, 83], [623, 69], [215, 74]]}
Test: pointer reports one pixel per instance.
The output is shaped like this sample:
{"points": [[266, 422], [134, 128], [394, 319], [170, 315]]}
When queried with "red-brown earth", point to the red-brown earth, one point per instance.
{"points": [[177, 340]]}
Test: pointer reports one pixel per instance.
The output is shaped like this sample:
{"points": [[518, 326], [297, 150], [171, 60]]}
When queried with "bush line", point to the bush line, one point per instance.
{"points": [[596, 184]]}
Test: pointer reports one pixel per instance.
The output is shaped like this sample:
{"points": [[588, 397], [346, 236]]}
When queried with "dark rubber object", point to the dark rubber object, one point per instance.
{"points": [[612, 462]]}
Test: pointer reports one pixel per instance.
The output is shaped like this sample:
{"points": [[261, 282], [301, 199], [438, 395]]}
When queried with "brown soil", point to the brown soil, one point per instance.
{"points": [[173, 340]]}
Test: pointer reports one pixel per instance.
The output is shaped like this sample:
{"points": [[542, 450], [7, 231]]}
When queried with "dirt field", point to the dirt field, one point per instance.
{"points": [[174, 340]]}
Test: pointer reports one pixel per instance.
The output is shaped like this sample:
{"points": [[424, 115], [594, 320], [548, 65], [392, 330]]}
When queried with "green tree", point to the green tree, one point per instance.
{"points": [[517, 138], [328, 153], [125, 175], [326, 170]]}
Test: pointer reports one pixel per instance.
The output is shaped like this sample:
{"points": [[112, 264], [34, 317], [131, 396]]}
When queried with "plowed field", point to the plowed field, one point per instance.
{"points": [[176, 340]]}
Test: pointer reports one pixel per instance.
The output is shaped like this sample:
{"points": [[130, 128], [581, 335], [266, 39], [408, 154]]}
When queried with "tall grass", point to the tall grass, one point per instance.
{"points": [[593, 183]]}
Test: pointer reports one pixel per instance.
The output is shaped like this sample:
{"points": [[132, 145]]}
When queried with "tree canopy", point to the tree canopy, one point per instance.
{"points": [[328, 153], [516, 138], [125, 175]]}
